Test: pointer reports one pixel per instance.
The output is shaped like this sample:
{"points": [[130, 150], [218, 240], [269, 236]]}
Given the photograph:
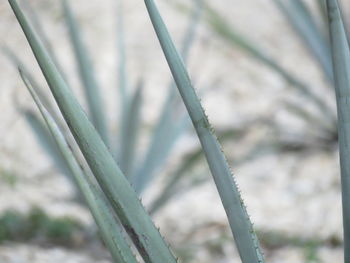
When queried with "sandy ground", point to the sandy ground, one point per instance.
{"points": [[292, 194]]}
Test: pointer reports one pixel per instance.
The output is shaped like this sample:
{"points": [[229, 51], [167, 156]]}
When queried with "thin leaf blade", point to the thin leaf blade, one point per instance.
{"points": [[167, 130], [130, 133], [110, 228], [87, 75], [303, 23], [121, 195], [341, 66], [241, 226], [227, 32]]}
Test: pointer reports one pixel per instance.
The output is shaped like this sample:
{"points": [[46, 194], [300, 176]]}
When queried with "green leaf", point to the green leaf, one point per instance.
{"points": [[241, 226], [87, 75], [159, 151], [190, 160], [167, 130], [130, 133], [168, 191], [35, 19], [43, 136], [320, 125], [100, 208], [19, 64], [341, 66], [119, 192], [301, 19], [123, 86], [322, 8], [228, 33], [122, 76]]}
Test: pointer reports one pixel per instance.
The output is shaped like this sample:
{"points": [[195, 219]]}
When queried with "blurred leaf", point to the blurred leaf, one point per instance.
{"points": [[11, 224], [122, 74], [35, 19], [228, 33], [301, 19], [130, 132], [173, 185], [8, 177], [322, 124], [170, 187], [44, 138], [168, 130], [87, 75], [341, 67], [321, 4], [19, 64]]}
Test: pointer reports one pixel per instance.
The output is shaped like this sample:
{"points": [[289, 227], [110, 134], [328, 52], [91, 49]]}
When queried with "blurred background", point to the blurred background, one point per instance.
{"points": [[263, 72]]}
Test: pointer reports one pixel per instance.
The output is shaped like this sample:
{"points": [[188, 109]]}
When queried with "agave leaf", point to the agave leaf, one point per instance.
{"points": [[168, 136], [38, 90], [321, 4], [131, 130], [119, 192], [122, 78], [123, 84], [35, 19], [100, 208], [19, 64], [46, 142], [315, 121], [221, 27], [191, 31], [241, 226], [304, 25], [168, 191], [87, 75], [341, 66], [189, 161], [167, 131]]}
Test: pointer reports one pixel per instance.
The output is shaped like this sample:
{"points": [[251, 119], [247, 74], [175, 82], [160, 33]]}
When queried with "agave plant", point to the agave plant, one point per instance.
{"points": [[122, 197], [172, 123], [106, 188], [311, 28]]}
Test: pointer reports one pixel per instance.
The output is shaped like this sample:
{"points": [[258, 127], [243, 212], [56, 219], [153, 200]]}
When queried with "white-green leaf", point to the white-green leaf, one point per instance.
{"points": [[43, 136], [87, 75], [168, 130], [305, 26], [130, 133], [110, 228], [39, 29], [341, 68], [121, 195], [227, 32], [241, 226]]}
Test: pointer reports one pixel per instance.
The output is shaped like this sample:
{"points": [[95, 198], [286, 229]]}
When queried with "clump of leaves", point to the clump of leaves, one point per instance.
{"points": [[321, 121], [8, 177], [37, 226], [114, 202]]}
